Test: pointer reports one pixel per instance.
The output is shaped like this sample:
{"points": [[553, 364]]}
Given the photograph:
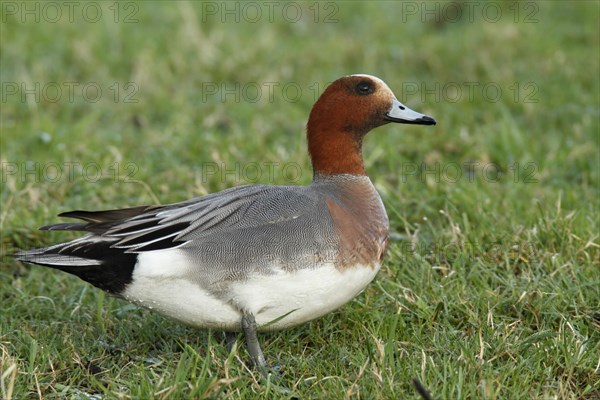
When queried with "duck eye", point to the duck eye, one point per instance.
{"points": [[364, 88]]}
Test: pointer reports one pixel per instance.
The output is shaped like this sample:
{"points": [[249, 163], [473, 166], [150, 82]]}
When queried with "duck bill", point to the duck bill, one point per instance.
{"points": [[404, 115]]}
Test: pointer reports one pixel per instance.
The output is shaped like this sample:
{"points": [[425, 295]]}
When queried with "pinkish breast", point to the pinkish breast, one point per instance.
{"points": [[359, 218]]}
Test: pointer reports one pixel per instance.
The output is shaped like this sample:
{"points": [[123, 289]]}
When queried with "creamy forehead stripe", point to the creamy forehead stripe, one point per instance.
{"points": [[371, 77]]}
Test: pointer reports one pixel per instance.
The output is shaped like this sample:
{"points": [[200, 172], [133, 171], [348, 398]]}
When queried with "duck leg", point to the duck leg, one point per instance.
{"points": [[249, 328], [230, 338]]}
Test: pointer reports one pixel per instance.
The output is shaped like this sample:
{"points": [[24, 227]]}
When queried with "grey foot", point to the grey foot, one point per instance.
{"points": [[249, 328]]}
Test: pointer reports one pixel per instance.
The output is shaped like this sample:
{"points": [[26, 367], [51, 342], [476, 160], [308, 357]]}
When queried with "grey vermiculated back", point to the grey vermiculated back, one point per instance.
{"points": [[255, 229]]}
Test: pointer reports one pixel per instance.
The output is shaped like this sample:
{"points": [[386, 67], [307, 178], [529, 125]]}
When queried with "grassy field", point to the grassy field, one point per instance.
{"points": [[491, 285]]}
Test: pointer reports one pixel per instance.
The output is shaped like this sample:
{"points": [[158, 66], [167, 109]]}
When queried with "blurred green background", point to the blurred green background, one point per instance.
{"points": [[491, 284]]}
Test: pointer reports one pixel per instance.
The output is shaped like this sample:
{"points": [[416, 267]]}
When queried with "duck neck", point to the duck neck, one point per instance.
{"points": [[335, 153]]}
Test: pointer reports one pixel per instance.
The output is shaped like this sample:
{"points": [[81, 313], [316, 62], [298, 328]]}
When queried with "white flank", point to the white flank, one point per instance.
{"points": [[161, 282], [300, 296]]}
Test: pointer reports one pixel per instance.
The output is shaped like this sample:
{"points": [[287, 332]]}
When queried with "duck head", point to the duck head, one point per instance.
{"points": [[346, 111]]}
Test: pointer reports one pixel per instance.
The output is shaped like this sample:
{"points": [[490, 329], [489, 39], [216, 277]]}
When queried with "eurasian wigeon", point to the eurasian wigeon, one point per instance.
{"points": [[254, 257]]}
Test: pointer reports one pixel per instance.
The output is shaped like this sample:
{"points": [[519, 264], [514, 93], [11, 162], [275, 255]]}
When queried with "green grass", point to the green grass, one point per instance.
{"points": [[491, 286]]}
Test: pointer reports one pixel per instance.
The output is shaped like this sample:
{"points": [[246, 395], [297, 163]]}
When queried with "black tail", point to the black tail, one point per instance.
{"points": [[92, 257]]}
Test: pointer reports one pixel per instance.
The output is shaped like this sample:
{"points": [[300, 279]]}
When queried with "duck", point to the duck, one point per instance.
{"points": [[251, 258]]}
